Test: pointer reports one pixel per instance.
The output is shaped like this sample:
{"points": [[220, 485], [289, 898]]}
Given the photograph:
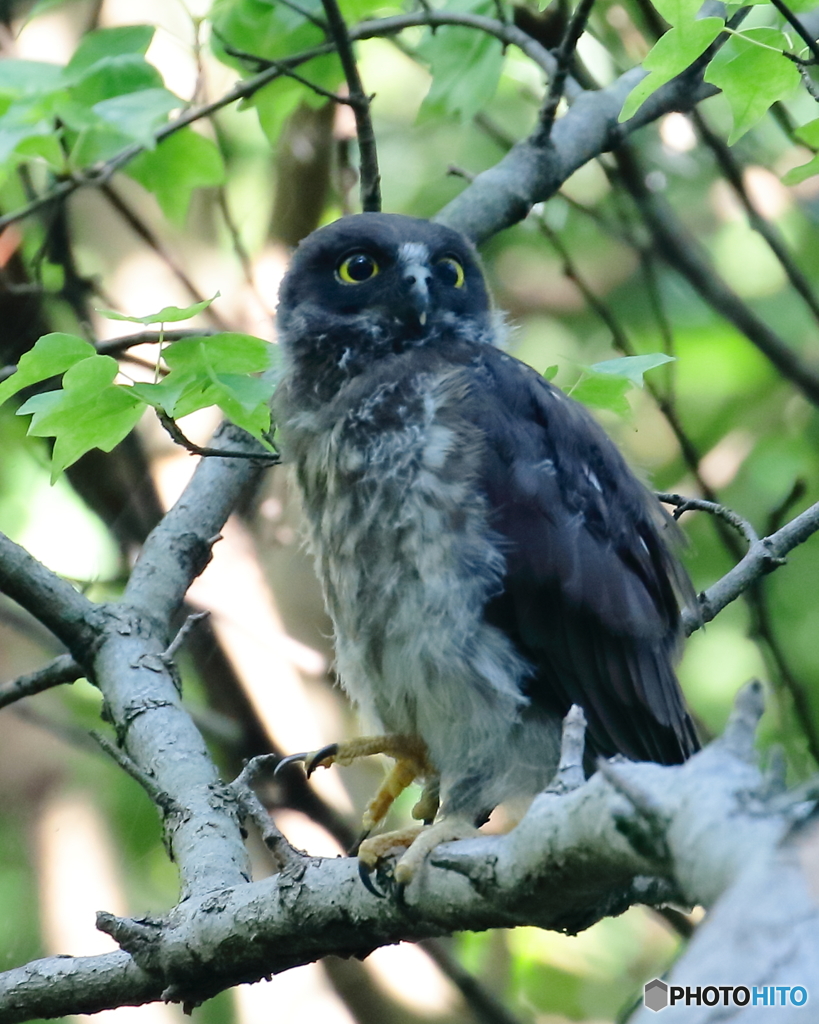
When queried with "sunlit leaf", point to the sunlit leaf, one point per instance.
{"points": [[181, 163], [137, 114], [109, 42], [601, 391], [29, 77], [228, 352], [669, 57], [755, 79], [89, 412], [51, 355], [465, 66], [115, 76], [631, 368], [166, 315]]}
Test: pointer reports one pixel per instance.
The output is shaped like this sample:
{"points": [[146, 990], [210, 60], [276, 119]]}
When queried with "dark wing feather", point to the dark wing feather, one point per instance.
{"points": [[592, 591]]}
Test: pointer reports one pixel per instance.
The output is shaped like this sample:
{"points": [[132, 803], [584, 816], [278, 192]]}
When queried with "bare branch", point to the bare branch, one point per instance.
{"points": [[683, 504], [70, 616], [175, 432], [799, 28], [557, 82], [368, 154], [762, 556], [776, 243], [62, 669], [683, 255]]}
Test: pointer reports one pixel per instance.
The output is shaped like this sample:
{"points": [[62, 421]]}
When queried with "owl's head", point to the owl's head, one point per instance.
{"points": [[371, 286], [385, 265]]}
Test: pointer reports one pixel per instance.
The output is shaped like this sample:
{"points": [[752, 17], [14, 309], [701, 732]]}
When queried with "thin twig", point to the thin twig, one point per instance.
{"points": [[360, 102], [285, 855], [157, 795], [172, 427], [100, 173], [798, 27], [261, 63], [762, 557], [63, 669], [115, 346], [733, 174], [557, 83], [682, 254], [169, 654], [683, 504]]}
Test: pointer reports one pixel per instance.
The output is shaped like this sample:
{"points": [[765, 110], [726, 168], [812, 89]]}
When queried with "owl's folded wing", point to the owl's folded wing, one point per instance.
{"points": [[592, 592]]}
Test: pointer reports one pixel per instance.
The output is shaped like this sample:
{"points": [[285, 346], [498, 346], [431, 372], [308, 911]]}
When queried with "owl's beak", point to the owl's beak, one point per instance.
{"points": [[417, 277]]}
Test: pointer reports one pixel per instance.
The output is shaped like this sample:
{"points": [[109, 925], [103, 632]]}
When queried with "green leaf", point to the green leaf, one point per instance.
{"points": [[44, 147], [29, 77], [809, 133], [631, 368], [215, 371], [755, 79], [677, 11], [137, 114], [179, 164], [603, 392], [797, 174], [89, 412], [166, 315], [669, 57], [96, 144], [114, 76], [550, 372], [109, 42], [50, 355], [465, 66], [228, 352]]}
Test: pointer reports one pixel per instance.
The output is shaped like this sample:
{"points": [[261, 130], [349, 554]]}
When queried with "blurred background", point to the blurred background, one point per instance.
{"points": [[585, 278]]}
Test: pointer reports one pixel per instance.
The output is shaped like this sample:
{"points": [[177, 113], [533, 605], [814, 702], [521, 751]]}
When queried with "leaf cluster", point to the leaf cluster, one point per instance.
{"points": [[93, 410]]}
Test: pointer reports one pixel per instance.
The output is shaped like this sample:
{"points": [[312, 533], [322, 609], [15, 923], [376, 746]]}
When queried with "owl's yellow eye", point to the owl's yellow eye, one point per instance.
{"points": [[357, 268], [450, 272]]}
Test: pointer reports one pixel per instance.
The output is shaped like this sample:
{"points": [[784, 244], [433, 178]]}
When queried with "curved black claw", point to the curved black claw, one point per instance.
{"points": [[315, 759], [290, 759], [365, 874], [383, 874]]}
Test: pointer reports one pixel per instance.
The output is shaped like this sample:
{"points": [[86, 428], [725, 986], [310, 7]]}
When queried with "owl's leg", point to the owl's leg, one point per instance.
{"points": [[418, 842], [411, 762]]}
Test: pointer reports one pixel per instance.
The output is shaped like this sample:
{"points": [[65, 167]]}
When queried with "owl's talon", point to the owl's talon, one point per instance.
{"points": [[322, 758], [290, 759], [365, 873], [311, 759]]}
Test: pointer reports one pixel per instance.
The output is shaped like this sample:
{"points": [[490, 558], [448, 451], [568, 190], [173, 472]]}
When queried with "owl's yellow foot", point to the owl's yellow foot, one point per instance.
{"points": [[418, 842], [411, 762]]}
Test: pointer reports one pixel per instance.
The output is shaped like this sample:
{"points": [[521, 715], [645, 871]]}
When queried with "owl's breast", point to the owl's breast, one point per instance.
{"points": [[405, 551]]}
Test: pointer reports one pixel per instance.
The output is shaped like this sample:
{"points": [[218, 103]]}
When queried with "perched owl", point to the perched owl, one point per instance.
{"points": [[486, 555]]}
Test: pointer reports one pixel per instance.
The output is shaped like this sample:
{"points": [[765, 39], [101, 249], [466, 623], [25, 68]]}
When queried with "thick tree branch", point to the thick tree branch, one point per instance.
{"points": [[573, 858], [70, 616]]}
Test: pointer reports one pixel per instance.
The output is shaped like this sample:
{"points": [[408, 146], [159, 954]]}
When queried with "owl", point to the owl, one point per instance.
{"points": [[486, 556]]}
